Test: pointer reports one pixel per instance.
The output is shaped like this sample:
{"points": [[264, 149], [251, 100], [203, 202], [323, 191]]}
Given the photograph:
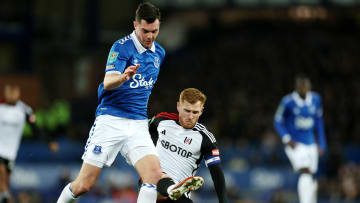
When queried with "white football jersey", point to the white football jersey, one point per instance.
{"points": [[12, 121], [181, 150]]}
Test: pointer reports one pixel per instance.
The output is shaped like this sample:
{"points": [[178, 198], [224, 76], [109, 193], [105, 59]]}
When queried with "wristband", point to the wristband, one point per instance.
{"points": [[286, 139]]}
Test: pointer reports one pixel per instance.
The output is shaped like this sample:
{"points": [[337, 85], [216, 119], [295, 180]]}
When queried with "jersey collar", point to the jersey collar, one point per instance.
{"points": [[301, 102], [138, 45]]}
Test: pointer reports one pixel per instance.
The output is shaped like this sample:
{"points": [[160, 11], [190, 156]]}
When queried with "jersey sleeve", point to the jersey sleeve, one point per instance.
{"points": [[117, 59], [209, 149], [27, 109], [155, 121], [153, 124], [320, 125], [280, 117]]}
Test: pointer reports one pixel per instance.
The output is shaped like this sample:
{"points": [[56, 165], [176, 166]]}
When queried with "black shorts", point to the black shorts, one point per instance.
{"points": [[8, 164], [182, 199]]}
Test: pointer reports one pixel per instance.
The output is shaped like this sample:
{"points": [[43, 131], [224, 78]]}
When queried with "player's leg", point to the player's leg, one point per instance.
{"points": [[165, 183], [85, 180], [139, 151], [150, 172], [183, 199], [304, 160], [306, 186], [189, 184], [167, 187], [101, 149], [4, 193]]}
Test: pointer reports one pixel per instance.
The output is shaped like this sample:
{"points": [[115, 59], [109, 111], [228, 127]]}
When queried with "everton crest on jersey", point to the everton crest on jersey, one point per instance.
{"points": [[130, 99]]}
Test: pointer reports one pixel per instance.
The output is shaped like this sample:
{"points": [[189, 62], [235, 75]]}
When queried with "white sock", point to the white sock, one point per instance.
{"points": [[314, 196], [306, 188], [147, 194], [67, 196]]}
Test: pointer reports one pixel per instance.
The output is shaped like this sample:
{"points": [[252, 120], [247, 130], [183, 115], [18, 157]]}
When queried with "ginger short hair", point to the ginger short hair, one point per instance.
{"points": [[192, 95]]}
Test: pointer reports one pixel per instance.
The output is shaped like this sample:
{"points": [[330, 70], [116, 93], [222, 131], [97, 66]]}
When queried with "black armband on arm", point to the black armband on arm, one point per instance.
{"points": [[218, 178]]}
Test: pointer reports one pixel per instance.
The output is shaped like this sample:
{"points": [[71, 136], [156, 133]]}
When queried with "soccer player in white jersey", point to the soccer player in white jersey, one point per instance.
{"points": [[121, 123], [297, 118], [13, 115], [182, 143]]}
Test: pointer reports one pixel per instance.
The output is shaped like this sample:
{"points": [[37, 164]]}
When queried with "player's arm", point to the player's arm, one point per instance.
{"points": [[118, 69], [29, 113], [115, 80], [153, 124], [212, 160], [319, 124], [279, 123], [31, 119], [218, 178]]}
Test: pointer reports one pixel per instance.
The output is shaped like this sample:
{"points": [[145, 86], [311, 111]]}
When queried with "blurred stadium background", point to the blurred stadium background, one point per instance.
{"points": [[243, 54]]}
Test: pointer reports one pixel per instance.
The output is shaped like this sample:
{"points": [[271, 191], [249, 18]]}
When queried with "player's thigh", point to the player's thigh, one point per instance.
{"points": [[149, 169], [139, 143], [301, 157], [314, 154], [107, 136]]}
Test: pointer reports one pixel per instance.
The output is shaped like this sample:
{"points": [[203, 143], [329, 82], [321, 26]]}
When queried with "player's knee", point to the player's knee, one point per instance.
{"points": [[305, 170], [154, 176], [81, 187], [84, 188]]}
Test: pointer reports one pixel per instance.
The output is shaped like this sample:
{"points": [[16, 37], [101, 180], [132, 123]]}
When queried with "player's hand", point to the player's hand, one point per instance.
{"points": [[32, 118], [292, 144], [130, 71], [54, 146]]}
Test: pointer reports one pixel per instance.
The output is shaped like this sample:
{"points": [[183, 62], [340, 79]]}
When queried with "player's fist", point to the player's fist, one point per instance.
{"points": [[32, 118], [130, 71]]}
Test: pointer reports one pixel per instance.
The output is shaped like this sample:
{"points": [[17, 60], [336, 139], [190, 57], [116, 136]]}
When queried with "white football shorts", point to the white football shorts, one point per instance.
{"points": [[110, 135], [303, 156]]}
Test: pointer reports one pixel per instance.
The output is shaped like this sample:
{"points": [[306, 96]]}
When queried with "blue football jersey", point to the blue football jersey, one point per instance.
{"points": [[130, 99], [300, 118]]}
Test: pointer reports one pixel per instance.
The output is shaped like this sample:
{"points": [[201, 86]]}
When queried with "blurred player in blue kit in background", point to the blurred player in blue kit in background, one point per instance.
{"points": [[121, 124], [297, 118]]}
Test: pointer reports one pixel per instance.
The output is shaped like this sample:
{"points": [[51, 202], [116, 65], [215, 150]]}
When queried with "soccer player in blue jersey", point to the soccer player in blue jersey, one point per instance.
{"points": [[297, 118], [121, 123]]}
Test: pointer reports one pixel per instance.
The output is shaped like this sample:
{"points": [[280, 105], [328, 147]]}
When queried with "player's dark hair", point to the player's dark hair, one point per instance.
{"points": [[192, 95], [148, 12], [301, 77]]}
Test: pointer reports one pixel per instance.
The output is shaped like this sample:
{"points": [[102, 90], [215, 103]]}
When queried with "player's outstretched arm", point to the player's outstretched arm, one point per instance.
{"points": [[112, 81], [218, 178]]}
